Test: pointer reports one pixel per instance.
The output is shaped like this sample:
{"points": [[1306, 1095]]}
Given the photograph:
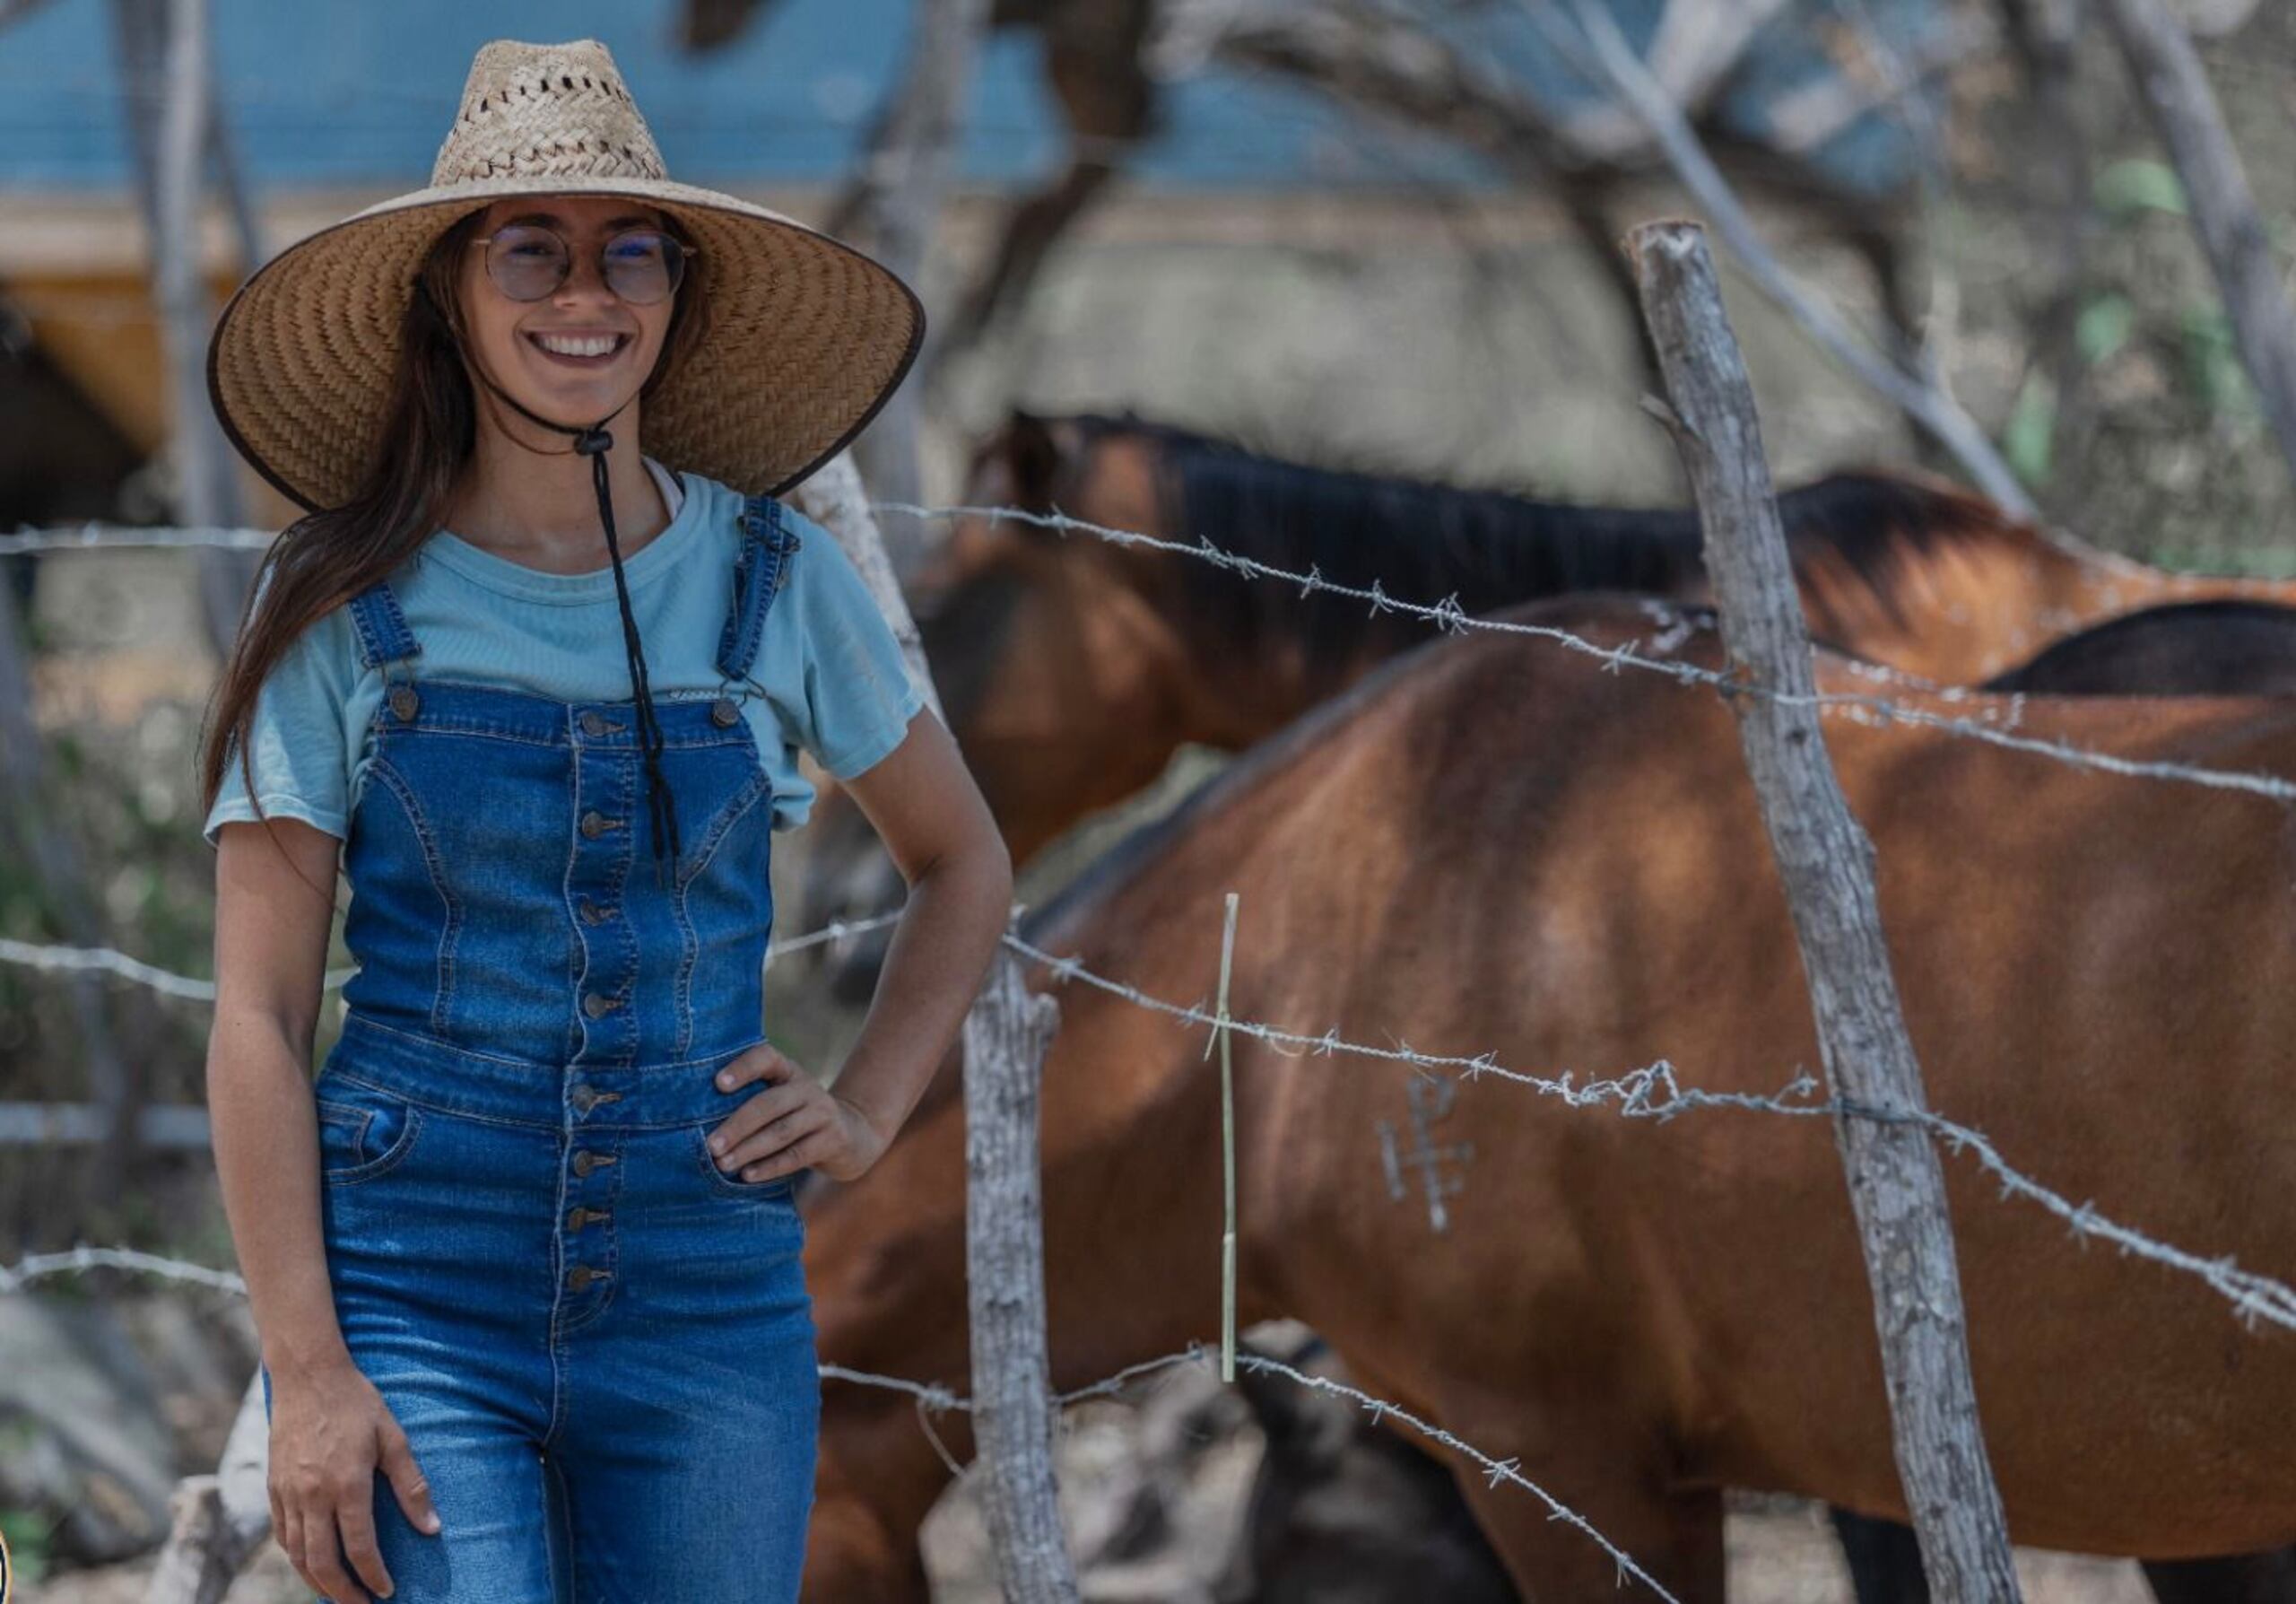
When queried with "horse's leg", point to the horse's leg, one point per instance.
{"points": [[1885, 1559], [1599, 1462], [2241, 1579]]}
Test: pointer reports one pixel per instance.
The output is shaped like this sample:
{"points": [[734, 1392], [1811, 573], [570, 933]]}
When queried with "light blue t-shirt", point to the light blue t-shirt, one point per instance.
{"points": [[828, 677]]}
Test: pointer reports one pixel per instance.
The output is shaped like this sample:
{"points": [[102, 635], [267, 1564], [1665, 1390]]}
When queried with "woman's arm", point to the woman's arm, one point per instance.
{"points": [[330, 1428], [925, 805], [271, 944]]}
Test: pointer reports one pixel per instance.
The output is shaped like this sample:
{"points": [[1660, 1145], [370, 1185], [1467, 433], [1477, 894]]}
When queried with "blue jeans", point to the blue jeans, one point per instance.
{"points": [[640, 1424]]}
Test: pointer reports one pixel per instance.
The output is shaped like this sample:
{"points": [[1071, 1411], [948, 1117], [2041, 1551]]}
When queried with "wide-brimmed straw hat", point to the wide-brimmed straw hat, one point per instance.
{"points": [[808, 336]]}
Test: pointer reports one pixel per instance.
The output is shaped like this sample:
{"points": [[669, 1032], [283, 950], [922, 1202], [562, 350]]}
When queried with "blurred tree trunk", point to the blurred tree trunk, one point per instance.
{"points": [[893, 202], [170, 88], [2175, 90]]}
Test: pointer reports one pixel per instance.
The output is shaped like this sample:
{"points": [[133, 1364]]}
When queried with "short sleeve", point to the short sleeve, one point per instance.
{"points": [[297, 741], [858, 696]]}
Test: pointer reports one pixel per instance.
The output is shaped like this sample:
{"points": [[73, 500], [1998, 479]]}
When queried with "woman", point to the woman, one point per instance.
{"points": [[525, 1258]]}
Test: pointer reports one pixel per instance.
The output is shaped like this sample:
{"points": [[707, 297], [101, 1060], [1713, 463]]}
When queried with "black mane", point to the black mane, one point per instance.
{"points": [[1423, 542]]}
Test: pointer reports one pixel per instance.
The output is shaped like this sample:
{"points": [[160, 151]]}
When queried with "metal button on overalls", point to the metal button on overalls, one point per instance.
{"points": [[596, 824]]}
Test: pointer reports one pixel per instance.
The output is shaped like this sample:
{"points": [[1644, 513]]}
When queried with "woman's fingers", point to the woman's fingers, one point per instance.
{"points": [[323, 1556], [770, 1139], [758, 1110], [765, 1062], [811, 1148], [412, 1488], [355, 1519]]}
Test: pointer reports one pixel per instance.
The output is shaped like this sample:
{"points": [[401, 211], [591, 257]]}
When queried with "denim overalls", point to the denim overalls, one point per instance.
{"points": [[599, 1344]]}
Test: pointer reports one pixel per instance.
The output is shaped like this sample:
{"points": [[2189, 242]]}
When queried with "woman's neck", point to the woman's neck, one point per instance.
{"points": [[539, 507]]}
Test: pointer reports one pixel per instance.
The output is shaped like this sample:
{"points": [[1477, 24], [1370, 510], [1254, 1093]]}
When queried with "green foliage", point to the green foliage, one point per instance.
{"points": [[2031, 429], [2213, 363], [2105, 325], [2139, 184], [27, 1532]]}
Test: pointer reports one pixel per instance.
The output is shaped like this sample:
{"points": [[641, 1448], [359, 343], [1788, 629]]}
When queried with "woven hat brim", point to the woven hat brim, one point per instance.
{"points": [[808, 340]]}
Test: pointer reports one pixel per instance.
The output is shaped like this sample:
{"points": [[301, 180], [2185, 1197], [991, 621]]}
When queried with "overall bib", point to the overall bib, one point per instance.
{"points": [[599, 1344]]}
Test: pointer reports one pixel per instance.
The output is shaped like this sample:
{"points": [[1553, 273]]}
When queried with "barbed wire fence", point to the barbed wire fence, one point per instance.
{"points": [[1656, 1091]]}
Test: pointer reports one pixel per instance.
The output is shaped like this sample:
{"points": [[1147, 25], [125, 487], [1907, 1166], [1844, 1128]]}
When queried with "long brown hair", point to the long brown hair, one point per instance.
{"points": [[325, 558]]}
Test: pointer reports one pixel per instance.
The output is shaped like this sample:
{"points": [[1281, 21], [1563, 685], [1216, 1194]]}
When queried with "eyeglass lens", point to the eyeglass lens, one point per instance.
{"points": [[527, 261]]}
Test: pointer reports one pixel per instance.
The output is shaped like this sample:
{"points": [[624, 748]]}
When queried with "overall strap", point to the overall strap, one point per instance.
{"points": [[767, 541], [383, 636]]}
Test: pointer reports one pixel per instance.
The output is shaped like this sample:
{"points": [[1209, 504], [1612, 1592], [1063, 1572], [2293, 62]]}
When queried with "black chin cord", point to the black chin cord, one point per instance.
{"points": [[594, 442]]}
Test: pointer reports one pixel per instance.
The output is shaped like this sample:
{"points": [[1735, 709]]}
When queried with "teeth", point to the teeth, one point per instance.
{"points": [[584, 345]]}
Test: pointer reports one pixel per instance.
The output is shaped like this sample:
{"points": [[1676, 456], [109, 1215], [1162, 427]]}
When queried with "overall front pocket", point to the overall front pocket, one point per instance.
{"points": [[363, 1131], [780, 1188]]}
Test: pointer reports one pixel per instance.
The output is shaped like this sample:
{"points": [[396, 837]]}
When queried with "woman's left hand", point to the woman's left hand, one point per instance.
{"points": [[795, 1122]]}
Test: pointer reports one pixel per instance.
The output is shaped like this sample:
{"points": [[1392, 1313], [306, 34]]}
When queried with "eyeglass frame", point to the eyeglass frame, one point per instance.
{"points": [[685, 252]]}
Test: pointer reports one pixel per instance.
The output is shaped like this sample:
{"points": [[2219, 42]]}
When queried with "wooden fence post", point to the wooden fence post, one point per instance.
{"points": [[1006, 1036], [1896, 1182]]}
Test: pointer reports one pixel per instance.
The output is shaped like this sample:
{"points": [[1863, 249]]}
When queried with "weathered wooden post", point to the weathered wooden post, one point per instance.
{"points": [[1896, 1182], [1006, 1036]]}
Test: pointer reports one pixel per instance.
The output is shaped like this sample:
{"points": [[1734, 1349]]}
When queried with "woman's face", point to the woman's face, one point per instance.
{"points": [[579, 353]]}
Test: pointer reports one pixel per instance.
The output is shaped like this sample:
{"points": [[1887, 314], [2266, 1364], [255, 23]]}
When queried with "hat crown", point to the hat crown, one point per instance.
{"points": [[545, 111]]}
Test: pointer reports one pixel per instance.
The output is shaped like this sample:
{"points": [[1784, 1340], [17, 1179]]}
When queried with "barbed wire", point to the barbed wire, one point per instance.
{"points": [[57, 957], [1655, 1091], [929, 1397], [1453, 618]]}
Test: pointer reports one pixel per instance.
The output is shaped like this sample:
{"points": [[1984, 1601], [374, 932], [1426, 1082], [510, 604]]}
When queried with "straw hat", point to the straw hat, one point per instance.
{"points": [[808, 336]]}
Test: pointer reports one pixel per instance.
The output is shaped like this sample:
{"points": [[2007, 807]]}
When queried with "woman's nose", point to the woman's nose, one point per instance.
{"points": [[585, 277]]}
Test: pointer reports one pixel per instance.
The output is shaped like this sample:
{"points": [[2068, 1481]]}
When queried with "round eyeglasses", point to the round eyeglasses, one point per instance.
{"points": [[527, 261]]}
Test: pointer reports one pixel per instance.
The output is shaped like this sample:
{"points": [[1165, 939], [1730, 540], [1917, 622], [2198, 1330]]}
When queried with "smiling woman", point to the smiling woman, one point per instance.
{"points": [[527, 1252]]}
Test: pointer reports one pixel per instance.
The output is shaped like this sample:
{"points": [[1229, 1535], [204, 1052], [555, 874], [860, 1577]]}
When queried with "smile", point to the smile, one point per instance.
{"points": [[587, 349]]}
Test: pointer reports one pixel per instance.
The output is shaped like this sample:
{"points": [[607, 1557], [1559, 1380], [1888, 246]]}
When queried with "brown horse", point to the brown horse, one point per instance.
{"points": [[1494, 845], [1346, 1510], [1072, 668]]}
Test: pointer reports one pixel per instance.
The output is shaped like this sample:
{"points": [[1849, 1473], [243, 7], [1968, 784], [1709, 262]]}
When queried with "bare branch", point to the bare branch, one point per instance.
{"points": [[1922, 399], [2175, 92]]}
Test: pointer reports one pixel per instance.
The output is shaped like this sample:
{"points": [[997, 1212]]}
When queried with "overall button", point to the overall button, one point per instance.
{"points": [[590, 913], [595, 1003], [598, 723], [586, 1160], [403, 702], [582, 1274], [724, 712], [581, 1214], [596, 824], [583, 1099]]}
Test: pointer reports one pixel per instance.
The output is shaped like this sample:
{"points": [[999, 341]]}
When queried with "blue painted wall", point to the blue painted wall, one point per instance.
{"points": [[326, 91]]}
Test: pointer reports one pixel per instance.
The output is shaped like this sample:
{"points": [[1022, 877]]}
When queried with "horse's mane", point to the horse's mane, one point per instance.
{"points": [[1423, 541]]}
